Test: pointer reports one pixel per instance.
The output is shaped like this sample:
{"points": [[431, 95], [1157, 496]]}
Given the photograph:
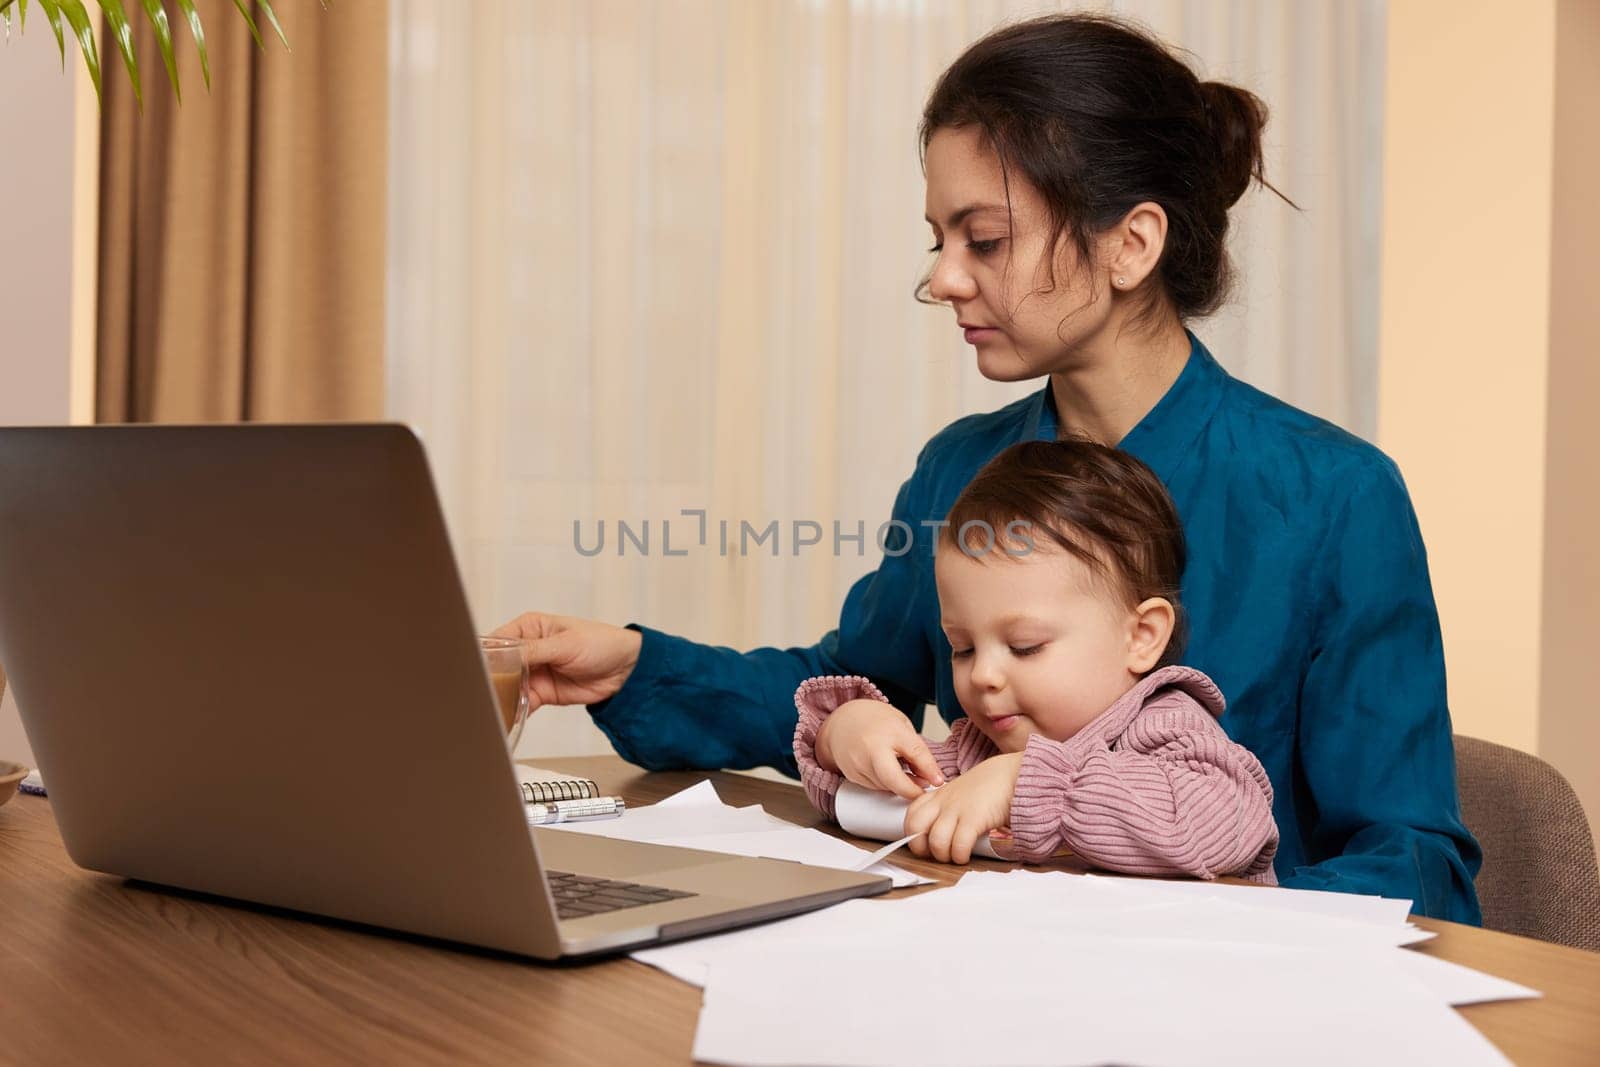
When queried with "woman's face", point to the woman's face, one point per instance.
{"points": [[994, 266]]}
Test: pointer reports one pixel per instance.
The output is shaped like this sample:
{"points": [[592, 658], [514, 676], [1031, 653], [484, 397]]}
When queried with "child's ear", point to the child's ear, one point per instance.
{"points": [[1149, 633]]}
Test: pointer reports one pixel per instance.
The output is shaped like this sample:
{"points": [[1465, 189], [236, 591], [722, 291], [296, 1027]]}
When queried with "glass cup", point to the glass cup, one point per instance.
{"points": [[509, 677]]}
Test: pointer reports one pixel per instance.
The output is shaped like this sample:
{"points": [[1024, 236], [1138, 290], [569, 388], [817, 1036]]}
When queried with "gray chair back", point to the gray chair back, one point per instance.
{"points": [[1539, 877]]}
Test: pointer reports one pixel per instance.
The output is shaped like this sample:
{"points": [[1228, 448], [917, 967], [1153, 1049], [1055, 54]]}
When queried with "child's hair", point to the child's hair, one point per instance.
{"points": [[1098, 503], [1098, 115]]}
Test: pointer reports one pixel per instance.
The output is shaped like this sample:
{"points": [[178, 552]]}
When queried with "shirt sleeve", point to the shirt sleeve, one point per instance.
{"points": [[688, 705], [1374, 734], [1175, 796]]}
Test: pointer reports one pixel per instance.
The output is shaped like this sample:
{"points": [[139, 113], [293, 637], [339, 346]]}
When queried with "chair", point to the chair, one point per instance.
{"points": [[1539, 877]]}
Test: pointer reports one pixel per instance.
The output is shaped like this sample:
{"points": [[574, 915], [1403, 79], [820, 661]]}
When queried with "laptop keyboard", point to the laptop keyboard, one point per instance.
{"points": [[577, 895]]}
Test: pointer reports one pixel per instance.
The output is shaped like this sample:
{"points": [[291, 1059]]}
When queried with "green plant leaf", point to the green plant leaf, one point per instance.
{"points": [[158, 21], [249, 20], [52, 14], [74, 15], [122, 33], [272, 17], [78, 19], [199, 34]]}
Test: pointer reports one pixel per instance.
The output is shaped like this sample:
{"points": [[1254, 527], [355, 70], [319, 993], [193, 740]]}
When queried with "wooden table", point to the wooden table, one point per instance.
{"points": [[95, 969]]}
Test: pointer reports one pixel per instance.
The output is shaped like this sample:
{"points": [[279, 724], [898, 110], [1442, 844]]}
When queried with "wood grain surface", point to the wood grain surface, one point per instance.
{"points": [[97, 969]]}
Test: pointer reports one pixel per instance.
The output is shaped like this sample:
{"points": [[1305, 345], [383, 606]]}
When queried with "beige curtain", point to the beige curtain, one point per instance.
{"points": [[655, 255], [242, 232]]}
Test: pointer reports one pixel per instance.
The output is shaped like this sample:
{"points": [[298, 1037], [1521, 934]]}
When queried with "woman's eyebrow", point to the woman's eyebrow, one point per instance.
{"points": [[955, 219]]}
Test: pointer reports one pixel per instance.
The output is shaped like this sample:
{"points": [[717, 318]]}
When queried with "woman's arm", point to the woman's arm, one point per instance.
{"points": [[1374, 731], [1174, 797]]}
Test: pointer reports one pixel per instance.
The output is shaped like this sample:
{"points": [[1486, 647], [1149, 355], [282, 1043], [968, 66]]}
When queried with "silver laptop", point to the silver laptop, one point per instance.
{"points": [[246, 666]]}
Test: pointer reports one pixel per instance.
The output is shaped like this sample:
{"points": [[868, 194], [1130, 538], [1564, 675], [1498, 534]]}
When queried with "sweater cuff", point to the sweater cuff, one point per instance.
{"points": [[1038, 805], [814, 701]]}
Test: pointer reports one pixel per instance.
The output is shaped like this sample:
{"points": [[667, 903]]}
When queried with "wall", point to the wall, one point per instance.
{"points": [[1569, 729], [1488, 329], [48, 139]]}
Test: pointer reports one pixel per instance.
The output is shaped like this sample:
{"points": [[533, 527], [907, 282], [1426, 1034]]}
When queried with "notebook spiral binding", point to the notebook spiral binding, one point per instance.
{"points": [[565, 789]]}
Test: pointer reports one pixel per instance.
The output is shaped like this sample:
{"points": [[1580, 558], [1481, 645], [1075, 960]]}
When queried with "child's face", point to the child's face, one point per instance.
{"points": [[1039, 644]]}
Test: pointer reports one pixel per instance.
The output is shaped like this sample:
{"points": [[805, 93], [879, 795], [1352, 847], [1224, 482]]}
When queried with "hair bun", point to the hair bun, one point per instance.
{"points": [[1235, 118]]}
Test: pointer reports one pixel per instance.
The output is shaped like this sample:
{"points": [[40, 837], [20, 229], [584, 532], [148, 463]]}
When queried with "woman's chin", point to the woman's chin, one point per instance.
{"points": [[1004, 365]]}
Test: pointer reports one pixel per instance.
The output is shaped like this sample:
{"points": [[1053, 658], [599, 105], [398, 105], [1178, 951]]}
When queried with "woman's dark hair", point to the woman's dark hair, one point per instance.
{"points": [[1097, 503], [1099, 116]]}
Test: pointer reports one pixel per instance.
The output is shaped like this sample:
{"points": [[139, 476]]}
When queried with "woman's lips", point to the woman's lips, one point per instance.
{"points": [[975, 334]]}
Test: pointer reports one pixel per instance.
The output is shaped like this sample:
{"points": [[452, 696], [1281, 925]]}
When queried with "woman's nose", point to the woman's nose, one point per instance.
{"points": [[949, 282]]}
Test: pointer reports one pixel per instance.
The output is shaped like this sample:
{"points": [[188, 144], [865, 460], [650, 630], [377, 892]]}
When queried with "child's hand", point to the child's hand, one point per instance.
{"points": [[865, 740], [953, 818]]}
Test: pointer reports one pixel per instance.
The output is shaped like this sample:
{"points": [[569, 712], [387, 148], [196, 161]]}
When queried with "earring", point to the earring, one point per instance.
{"points": [[1121, 281]]}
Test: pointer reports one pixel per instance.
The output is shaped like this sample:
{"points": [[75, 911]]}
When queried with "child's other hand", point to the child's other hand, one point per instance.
{"points": [[866, 740], [952, 819]]}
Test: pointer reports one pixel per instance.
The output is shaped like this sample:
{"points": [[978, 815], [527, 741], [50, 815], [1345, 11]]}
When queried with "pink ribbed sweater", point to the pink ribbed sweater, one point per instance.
{"points": [[1151, 786]]}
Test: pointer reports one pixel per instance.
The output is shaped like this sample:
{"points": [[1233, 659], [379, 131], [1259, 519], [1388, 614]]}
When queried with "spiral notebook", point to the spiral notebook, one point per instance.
{"points": [[540, 786]]}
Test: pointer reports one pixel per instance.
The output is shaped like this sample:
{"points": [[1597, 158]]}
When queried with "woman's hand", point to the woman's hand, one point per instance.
{"points": [[953, 818], [572, 661], [865, 740]]}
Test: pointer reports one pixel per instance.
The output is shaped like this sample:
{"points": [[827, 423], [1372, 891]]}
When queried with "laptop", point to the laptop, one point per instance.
{"points": [[246, 666]]}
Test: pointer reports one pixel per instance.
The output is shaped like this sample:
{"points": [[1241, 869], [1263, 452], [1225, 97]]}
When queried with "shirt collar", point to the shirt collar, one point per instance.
{"points": [[1165, 436]]}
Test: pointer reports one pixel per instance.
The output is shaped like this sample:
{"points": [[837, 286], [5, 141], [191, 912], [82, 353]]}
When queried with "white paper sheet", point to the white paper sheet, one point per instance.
{"points": [[1205, 911], [700, 795], [1224, 922], [881, 816], [906, 926], [1458, 985], [886, 851], [1065, 909], [1053, 967], [690, 961], [1382, 910], [697, 818], [1077, 1001]]}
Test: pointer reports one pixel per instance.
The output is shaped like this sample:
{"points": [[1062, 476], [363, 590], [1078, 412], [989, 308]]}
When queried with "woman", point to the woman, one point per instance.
{"points": [[1078, 183]]}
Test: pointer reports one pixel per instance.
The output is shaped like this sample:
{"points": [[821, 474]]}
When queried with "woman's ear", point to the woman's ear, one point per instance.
{"points": [[1149, 632], [1135, 245]]}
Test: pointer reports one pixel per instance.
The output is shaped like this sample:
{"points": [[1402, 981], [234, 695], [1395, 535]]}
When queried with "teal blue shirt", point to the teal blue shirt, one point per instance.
{"points": [[1309, 604]]}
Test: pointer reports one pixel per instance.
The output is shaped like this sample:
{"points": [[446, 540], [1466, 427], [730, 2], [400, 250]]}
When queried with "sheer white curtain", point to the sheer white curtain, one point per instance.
{"points": [[649, 257]]}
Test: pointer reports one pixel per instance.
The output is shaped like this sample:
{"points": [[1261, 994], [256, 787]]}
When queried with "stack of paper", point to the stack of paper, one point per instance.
{"points": [[697, 818], [1031, 967]]}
